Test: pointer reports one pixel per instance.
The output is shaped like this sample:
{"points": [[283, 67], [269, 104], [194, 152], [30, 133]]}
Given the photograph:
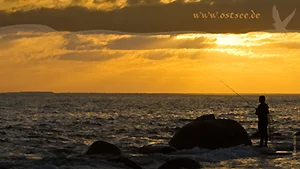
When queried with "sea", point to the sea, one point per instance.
{"points": [[53, 131]]}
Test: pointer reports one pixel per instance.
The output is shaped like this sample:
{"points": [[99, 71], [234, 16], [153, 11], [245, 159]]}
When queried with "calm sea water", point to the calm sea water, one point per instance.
{"points": [[52, 130]]}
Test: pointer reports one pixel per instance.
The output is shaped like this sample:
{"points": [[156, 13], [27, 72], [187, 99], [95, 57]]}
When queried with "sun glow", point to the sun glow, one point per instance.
{"points": [[229, 40], [221, 39], [179, 62]]}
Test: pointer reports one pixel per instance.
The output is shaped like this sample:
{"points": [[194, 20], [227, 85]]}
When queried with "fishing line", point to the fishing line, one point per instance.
{"points": [[252, 105], [234, 91]]}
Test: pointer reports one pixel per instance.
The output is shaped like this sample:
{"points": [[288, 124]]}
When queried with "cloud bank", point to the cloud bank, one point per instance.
{"points": [[126, 62], [144, 16]]}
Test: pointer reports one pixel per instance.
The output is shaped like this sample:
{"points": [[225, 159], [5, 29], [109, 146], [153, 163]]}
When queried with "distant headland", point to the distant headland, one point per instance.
{"points": [[32, 92]]}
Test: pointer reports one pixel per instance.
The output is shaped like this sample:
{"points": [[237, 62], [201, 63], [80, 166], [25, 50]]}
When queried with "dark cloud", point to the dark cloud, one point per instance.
{"points": [[158, 18], [144, 2], [25, 28]]}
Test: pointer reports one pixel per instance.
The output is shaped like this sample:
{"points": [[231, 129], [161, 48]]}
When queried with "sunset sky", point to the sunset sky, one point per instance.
{"points": [[62, 53]]}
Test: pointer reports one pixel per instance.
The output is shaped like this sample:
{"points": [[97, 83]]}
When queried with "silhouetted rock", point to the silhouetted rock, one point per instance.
{"points": [[210, 134], [126, 161], [49, 166], [180, 163], [5, 165], [206, 117], [3, 140], [131, 164], [156, 149], [102, 147], [8, 127]]}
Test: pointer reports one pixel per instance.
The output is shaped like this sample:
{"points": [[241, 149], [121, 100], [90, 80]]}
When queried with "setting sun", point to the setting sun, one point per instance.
{"points": [[229, 39]]}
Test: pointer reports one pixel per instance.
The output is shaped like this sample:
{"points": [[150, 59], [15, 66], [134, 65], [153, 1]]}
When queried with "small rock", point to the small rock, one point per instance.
{"points": [[5, 165], [3, 140], [8, 127], [180, 163], [2, 133], [127, 162], [102, 147]]}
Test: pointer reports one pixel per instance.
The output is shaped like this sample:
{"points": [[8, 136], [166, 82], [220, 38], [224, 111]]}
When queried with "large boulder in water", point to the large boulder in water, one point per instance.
{"points": [[206, 117], [102, 147], [210, 134]]}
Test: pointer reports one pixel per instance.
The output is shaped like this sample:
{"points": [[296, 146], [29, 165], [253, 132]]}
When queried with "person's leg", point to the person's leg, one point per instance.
{"points": [[266, 136], [261, 134]]}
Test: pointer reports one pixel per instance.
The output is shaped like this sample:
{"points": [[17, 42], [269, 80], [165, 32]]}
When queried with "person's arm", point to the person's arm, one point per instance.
{"points": [[256, 111], [268, 112]]}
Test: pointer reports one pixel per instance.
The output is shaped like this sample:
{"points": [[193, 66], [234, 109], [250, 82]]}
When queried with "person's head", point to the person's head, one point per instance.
{"points": [[262, 99]]}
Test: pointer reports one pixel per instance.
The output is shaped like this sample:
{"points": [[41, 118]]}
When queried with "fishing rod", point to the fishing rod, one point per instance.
{"points": [[252, 105], [235, 92]]}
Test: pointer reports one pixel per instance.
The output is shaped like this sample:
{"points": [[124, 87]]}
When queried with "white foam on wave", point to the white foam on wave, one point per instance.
{"points": [[203, 156], [232, 153], [220, 154], [193, 151]]}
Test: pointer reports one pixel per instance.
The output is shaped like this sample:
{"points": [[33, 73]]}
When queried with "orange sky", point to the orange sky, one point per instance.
{"points": [[184, 63]]}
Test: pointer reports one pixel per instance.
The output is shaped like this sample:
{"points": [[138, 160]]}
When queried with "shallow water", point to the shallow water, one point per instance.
{"points": [[52, 130]]}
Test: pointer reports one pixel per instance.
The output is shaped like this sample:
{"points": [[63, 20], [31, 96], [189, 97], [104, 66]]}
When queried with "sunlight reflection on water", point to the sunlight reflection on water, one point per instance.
{"points": [[130, 121]]}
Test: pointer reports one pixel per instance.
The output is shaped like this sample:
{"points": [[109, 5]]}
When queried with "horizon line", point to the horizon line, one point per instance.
{"points": [[50, 92]]}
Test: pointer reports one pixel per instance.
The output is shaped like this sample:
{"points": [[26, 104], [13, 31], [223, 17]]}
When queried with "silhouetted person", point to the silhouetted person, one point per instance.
{"points": [[262, 112]]}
